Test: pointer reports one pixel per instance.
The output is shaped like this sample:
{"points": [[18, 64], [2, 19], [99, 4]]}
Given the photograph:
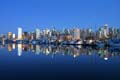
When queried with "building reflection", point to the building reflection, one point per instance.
{"points": [[19, 49], [74, 51]]}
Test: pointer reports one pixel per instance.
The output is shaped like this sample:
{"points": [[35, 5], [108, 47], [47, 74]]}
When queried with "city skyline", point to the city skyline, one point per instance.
{"points": [[104, 32], [104, 38]]}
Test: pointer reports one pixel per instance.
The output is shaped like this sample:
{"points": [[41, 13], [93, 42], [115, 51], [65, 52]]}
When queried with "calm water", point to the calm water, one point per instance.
{"points": [[18, 62]]}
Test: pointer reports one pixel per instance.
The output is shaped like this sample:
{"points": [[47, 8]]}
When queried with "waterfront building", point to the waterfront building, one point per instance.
{"points": [[76, 34], [37, 34], [10, 35], [106, 32], [25, 35], [19, 33], [14, 36]]}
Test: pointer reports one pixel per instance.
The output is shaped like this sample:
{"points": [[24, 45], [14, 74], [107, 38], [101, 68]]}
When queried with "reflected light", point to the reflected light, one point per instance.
{"points": [[19, 49], [106, 58], [13, 46]]}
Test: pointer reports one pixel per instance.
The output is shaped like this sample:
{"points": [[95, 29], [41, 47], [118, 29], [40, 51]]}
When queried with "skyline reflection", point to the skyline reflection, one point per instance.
{"points": [[71, 50]]}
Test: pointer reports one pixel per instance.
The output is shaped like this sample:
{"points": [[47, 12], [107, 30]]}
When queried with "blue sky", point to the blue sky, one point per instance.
{"points": [[30, 14]]}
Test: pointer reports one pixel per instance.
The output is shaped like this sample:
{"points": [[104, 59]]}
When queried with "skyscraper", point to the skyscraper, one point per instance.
{"points": [[106, 32], [19, 33]]}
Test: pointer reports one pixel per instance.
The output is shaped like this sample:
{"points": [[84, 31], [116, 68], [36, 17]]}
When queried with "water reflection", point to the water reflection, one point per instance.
{"points": [[71, 50]]}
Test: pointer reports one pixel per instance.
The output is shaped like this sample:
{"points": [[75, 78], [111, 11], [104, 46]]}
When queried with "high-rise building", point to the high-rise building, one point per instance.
{"points": [[25, 35], [118, 33], [100, 33], [106, 31], [14, 36], [32, 35], [89, 33], [90, 36], [3, 37], [37, 34], [10, 35], [47, 33], [76, 34], [83, 34], [19, 33], [110, 32]]}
